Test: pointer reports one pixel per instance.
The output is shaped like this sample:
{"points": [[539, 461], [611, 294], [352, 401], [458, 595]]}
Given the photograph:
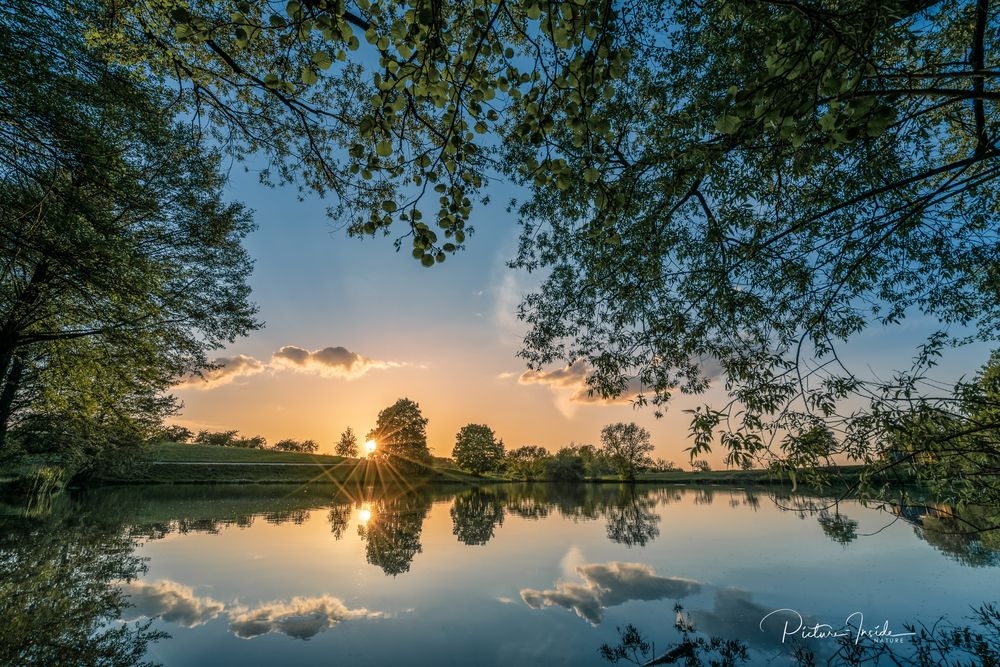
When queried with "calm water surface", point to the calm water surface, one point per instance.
{"points": [[504, 575]]}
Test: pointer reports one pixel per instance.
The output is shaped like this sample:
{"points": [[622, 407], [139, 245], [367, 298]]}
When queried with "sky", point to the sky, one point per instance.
{"points": [[351, 325]]}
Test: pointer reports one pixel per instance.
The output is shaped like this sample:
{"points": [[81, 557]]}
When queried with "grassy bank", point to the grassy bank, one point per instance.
{"points": [[172, 463]]}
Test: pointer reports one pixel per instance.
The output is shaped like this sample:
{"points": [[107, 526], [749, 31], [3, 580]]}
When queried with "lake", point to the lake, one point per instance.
{"points": [[500, 575]]}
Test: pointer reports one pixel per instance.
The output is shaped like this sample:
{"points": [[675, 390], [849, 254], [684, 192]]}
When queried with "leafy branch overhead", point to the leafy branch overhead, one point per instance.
{"points": [[742, 185]]}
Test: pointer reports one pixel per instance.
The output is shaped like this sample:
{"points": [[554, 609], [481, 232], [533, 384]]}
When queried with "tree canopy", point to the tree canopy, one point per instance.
{"points": [[626, 447], [400, 435], [477, 449], [730, 187], [121, 265]]}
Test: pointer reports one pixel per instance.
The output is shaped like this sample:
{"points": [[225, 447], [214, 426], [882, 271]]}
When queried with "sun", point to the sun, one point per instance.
{"points": [[370, 446], [364, 515]]}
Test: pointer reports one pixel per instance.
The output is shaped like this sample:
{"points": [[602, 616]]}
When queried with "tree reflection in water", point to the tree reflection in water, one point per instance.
{"points": [[936, 645], [392, 530], [475, 516], [59, 593]]}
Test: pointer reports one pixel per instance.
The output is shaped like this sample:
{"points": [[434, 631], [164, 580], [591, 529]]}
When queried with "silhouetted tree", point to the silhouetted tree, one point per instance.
{"points": [[230, 439], [401, 436], [347, 446], [301, 446], [174, 433], [701, 465]]}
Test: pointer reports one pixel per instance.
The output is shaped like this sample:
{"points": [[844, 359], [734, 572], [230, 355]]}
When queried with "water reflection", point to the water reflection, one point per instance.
{"points": [[68, 576], [392, 529], [59, 593], [608, 585]]}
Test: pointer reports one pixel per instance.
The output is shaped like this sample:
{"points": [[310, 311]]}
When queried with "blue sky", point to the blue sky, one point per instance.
{"points": [[445, 337]]}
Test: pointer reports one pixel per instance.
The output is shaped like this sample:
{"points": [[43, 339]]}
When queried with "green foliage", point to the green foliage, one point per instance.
{"points": [[566, 465], [626, 447], [347, 446], [301, 446], [230, 439], [174, 433], [401, 436], [527, 463], [123, 266], [795, 174], [477, 449]]}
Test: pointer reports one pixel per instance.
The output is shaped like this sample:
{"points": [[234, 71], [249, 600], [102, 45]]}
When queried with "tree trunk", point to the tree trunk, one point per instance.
{"points": [[10, 386]]}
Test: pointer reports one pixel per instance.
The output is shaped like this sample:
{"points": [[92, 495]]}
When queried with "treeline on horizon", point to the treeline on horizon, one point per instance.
{"points": [[401, 441]]}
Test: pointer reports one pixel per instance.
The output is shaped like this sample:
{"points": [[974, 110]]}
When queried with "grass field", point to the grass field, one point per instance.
{"points": [[174, 463], [172, 451]]}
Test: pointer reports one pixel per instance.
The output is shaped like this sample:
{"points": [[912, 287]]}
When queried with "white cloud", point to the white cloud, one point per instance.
{"points": [[329, 361], [226, 370], [336, 362], [300, 617], [609, 585], [569, 385], [170, 601]]}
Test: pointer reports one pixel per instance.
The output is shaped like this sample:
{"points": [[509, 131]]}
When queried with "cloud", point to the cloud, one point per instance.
{"points": [[227, 369], [299, 618], [569, 384], [329, 361], [170, 601], [608, 585]]}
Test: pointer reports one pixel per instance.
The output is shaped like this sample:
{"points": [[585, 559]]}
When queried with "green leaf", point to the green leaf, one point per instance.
{"points": [[322, 59]]}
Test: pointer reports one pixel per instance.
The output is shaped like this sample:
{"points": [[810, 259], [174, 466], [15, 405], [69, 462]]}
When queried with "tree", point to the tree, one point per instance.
{"points": [[347, 446], [701, 465], [662, 465], [174, 433], [400, 434], [122, 266], [566, 465], [477, 449], [301, 446], [527, 463], [229, 439], [803, 171], [627, 448]]}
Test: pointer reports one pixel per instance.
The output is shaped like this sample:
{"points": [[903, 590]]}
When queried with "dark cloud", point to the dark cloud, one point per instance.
{"points": [[609, 585], [331, 361], [299, 618], [171, 602], [226, 370]]}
